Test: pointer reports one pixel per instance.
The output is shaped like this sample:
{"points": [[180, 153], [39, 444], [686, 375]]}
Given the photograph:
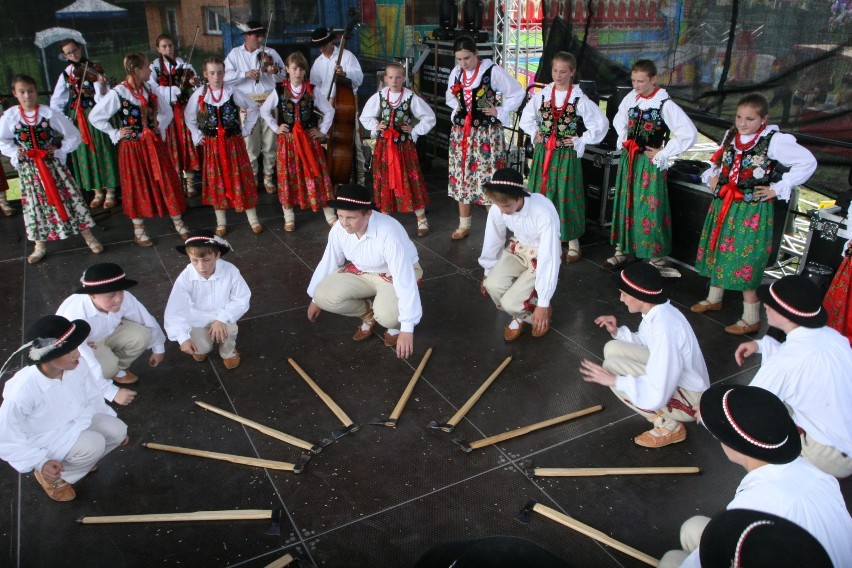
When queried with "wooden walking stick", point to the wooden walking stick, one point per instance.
{"points": [[451, 423], [600, 471], [242, 460], [469, 447], [278, 435], [406, 394], [285, 560], [585, 529], [196, 516], [349, 425]]}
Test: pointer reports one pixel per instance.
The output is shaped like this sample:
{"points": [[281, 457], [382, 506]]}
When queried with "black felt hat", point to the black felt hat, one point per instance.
{"points": [[205, 237], [751, 421], [508, 181], [797, 299], [741, 538], [351, 196], [103, 278], [643, 282], [253, 27], [321, 36], [53, 336]]}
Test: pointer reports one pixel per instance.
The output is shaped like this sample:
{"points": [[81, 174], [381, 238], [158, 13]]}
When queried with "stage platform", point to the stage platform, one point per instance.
{"points": [[379, 496]]}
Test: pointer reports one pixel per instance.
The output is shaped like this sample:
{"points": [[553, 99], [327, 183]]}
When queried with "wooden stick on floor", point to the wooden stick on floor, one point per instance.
{"points": [[234, 515], [258, 426], [476, 396], [585, 529], [322, 394], [599, 471], [403, 400], [242, 460], [285, 560]]}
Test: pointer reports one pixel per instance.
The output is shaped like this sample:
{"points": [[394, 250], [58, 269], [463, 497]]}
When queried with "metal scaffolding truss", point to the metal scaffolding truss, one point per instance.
{"points": [[515, 40]]}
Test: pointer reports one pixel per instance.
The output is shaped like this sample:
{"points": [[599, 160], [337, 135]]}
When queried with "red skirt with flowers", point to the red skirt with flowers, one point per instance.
{"points": [[295, 187], [236, 165], [486, 153], [179, 142], [838, 300], [412, 195], [149, 183]]}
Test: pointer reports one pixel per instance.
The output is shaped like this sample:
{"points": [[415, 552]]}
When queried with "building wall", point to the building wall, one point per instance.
{"points": [[189, 14]]}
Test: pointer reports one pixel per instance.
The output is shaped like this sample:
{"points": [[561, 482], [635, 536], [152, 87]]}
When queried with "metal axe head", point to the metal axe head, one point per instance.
{"points": [[382, 421], [317, 448], [527, 466], [275, 528], [445, 427], [463, 445], [303, 460], [337, 434], [524, 515]]}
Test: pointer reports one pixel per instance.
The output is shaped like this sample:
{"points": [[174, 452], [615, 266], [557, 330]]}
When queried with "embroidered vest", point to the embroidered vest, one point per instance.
{"points": [[130, 115], [755, 167], [45, 136], [174, 78], [230, 113], [87, 92], [647, 127], [402, 115], [483, 96], [568, 125], [287, 109]]}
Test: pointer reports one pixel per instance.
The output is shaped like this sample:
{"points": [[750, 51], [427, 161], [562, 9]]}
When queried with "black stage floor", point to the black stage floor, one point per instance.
{"points": [[380, 496]]}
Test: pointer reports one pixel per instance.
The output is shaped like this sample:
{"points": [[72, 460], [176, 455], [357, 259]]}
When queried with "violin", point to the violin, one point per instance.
{"points": [[88, 71], [265, 61]]}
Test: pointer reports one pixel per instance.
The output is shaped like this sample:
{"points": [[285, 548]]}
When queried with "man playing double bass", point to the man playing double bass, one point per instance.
{"points": [[254, 72], [323, 75]]}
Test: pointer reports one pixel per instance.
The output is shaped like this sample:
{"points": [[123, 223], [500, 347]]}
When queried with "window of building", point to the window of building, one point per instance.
{"points": [[171, 22], [214, 20]]}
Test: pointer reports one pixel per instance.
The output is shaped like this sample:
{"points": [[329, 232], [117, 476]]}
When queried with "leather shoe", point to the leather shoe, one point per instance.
{"points": [[510, 334], [200, 358], [257, 229], [659, 437], [460, 234], [128, 378], [390, 340], [620, 260], [221, 230], [143, 243], [289, 227], [59, 490], [361, 334], [742, 328], [572, 255], [705, 306], [232, 362]]}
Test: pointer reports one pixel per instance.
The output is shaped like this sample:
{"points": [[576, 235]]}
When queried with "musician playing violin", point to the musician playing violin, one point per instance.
{"points": [[174, 80], [80, 86], [254, 70]]}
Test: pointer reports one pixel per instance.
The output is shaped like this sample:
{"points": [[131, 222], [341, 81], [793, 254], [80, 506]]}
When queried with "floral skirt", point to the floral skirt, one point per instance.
{"points": [[41, 219], [413, 194], [96, 169], [142, 194], [838, 300], [642, 223], [294, 185], [743, 246], [179, 142], [238, 168], [564, 188], [486, 153]]}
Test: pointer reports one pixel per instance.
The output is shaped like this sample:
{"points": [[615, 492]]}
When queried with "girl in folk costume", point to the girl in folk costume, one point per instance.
{"points": [[174, 80], [838, 300], [149, 181], [398, 185], [53, 207], [213, 117], [302, 171], [81, 85], [652, 129], [481, 96], [562, 120], [736, 241]]}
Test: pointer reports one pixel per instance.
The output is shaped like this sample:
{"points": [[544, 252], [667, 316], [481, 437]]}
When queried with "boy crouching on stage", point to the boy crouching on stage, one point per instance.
{"points": [[54, 420], [207, 300]]}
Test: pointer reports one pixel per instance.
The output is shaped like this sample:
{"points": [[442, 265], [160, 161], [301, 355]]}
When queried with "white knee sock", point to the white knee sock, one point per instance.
{"points": [[289, 214], [751, 312], [715, 294], [464, 222], [220, 217], [252, 217]]}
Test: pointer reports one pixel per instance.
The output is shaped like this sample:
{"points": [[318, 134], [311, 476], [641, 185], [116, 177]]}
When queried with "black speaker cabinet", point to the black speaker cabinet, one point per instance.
{"points": [[600, 166]]}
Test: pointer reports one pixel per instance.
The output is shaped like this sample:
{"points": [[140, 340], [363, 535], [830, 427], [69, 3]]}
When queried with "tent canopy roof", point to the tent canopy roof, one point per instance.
{"points": [[91, 9]]}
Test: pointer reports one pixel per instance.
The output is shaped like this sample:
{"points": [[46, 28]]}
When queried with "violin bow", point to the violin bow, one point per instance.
{"points": [[188, 61], [262, 53]]}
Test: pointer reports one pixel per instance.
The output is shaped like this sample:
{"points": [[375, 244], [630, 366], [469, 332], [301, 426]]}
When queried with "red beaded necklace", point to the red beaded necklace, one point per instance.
{"points": [[213, 94], [294, 96], [745, 147], [468, 82], [25, 119], [398, 100], [137, 92], [557, 111]]}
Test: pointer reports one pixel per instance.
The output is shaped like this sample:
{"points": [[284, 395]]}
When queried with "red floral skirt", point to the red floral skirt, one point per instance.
{"points": [[179, 141], [236, 165], [294, 185], [838, 300], [149, 183], [413, 194]]}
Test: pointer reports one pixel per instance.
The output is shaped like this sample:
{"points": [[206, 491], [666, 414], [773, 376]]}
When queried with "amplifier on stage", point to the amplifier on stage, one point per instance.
{"points": [[827, 235], [600, 166]]}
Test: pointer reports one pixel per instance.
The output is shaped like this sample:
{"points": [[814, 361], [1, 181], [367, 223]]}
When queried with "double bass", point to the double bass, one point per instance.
{"points": [[341, 135]]}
